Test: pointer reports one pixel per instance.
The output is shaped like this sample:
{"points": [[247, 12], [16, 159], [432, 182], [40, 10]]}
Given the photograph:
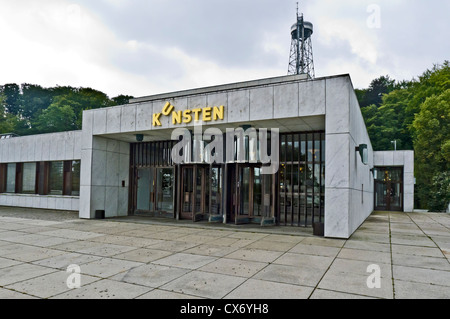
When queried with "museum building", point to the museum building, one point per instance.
{"points": [[284, 151]]}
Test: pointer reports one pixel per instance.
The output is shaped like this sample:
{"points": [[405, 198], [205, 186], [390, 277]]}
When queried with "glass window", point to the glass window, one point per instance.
{"points": [[56, 178], [76, 178], [11, 178], [29, 178]]}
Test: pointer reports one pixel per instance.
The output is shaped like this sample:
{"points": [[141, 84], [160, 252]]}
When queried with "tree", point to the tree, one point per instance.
{"points": [[121, 99], [58, 117], [34, 100], [7, 121], [374, 93], [431, 142], [12, 96], [415, 114]]}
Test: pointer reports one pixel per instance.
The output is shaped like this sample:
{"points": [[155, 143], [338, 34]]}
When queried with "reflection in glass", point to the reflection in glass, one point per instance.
{"points": [[29, 178], [165, 178], [11, 178]]}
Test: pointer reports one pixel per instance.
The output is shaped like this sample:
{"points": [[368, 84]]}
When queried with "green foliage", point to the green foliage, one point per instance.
{"points": [[374, 94], [7, 122], [32, 109], [56, 118], [439, 198], [416, 115], [432, 138]]}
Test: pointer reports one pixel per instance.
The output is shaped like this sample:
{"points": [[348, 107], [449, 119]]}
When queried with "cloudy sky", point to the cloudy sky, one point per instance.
{"points": [[144, 47]]}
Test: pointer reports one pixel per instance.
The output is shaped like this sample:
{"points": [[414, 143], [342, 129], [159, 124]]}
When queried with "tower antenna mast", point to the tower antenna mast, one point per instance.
{"points": [[301, 55]]}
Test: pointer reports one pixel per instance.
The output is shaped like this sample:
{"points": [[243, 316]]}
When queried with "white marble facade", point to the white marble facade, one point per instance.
{"points": [[45, 147], [289, 103]]}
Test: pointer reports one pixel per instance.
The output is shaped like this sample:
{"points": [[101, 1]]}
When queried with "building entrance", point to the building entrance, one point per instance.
{"points": [[389, 188], [201, 192], [155, 190], [252, 194]]}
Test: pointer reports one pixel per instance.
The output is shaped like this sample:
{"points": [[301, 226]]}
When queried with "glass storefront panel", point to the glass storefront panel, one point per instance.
{"points": [[143, 189], [165, 188], [11, 178], [187, 189], [301, 178], [56, 178], [76, 169], [216, 190], [245, 191], [29, 178]]}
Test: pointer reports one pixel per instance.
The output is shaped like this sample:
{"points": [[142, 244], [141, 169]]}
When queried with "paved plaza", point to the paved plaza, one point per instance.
{"points": [[392, 255]]}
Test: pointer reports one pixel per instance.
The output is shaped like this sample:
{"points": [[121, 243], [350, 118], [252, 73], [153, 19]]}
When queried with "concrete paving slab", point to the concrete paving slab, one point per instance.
{"points": [[143, 255], [415, 290], [350, 266], [32, 253], [412, 240], [175, 246], [48, 285], [5, 262], [439, 263], [9, 235], [251, 254], [327, 251], [271, 245], [211, 250], [72, 234], [300, 261], [205, 284], [210, 262], [324, 241], [163, 294], [234, 267], [304, 276], [365, 255], [183, 260], [11, 294], [284, 238], [196, 239], [75, 245], [16, 273], [37, 229], [371, 237], [106, 250], [107, 267], [150, 275], [416, 250], [354, 283], [421, 275], [105, 289], [329, 294], [126, 240], [65, 260], [261, 289]]}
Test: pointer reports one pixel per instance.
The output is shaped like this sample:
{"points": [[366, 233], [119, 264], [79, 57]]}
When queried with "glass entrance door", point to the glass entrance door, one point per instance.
{"points": [[389, 189], [155, 194], [195, 192], [254, 195]]}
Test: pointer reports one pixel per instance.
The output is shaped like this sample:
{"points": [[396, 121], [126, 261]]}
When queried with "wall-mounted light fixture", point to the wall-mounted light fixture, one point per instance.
{"points": [[363, 152], [139, 137], [373, 170]]}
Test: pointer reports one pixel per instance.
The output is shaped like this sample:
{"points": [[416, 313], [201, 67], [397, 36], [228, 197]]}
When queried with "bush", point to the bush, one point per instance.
{"points": [[440, 192]]}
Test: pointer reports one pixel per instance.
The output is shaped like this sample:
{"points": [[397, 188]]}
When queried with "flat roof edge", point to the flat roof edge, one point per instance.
{"points": [[222, 87]]}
